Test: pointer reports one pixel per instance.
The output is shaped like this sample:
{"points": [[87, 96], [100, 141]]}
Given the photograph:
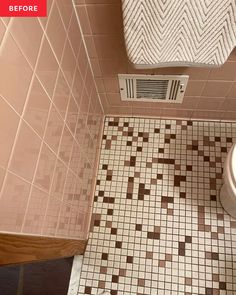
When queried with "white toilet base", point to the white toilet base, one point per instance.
{"points": [[228, 201]]}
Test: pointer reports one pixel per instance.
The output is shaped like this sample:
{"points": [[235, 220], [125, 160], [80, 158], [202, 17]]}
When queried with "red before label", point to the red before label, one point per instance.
{"points": [[31, 8]]}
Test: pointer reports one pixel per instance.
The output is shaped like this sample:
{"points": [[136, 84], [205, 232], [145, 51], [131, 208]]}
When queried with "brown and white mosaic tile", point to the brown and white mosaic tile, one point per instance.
{"points": [[158, 226]]}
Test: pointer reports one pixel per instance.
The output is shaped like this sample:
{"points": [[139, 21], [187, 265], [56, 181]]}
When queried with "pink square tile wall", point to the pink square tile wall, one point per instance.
{"points": [[101, 22], [51, 121]]}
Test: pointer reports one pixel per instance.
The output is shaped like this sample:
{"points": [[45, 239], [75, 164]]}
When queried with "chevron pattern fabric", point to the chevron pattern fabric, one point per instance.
{"points": [[162, 33]]}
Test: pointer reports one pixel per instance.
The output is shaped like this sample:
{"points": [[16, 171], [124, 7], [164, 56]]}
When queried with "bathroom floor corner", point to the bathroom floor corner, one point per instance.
{"points": [[159, 227]]}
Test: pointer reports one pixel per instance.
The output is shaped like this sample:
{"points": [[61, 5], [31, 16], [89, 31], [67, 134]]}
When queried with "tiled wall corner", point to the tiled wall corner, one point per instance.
{"points": [[211, 93], [51, 121]]}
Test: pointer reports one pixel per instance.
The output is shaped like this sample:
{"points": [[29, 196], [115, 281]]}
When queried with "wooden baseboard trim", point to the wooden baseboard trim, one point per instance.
{"points": [[16, 249]]}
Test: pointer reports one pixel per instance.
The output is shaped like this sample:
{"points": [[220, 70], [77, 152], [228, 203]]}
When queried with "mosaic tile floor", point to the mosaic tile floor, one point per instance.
{"points": [[159, 227]]}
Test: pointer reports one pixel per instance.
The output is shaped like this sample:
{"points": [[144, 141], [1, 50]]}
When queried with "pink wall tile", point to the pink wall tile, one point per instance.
{"points": [[72, 115], [82, 61], [35, 212], [115, 100], [75, 157], [66, 145], [92, 52], [210, 103], [84, 104], [68, 63], [54, 129], [89, 81], [217, 88], [44, 20], [119, 110], [111, 85], [15, 74], [80, 128], [45, 168], [47, 67], [77, 2], [84, 20], [5, 20], [55, 25], [14, 198], [2, 30], [226, 72], [66, 10], [26, 152], [100, 85], [69, 188], [111, 67], [102, 15], [148, 112], [59, 179], [8, 122], [2, 175], [51, 217], [229, 104], [61, 94], [232, 92], [195, 88], [28, 34], [197, 73], [77, 86], [37, 108], [228, 116], [176, 113], [64, 221], [74, 34], [60, 124], [78, 225], [96, 67], [204, 115], [107, 46]]}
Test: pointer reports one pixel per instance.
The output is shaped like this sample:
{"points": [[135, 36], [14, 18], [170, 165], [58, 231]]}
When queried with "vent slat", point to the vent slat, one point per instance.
{"points": [[126, 84], [129, 88], [172, 90], [132, 86]]}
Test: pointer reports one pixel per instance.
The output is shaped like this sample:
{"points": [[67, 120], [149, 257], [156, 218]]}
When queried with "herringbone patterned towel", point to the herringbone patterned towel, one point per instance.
{"points": [[162, 33]]}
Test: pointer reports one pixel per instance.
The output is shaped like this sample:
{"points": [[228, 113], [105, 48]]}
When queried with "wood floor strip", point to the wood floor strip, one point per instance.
{"points": [[16, 249]]}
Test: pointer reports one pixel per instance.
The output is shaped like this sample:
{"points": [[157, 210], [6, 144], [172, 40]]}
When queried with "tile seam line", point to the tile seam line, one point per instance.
{"points": [[7, 31], [83, 40]]}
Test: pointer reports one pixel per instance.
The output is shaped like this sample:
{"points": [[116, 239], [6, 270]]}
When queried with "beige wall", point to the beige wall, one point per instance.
{"points": [[211, 94], [50, 125]]}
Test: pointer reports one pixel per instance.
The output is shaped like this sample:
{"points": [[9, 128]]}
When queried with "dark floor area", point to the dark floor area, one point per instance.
{"points": [[42, 278]]}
